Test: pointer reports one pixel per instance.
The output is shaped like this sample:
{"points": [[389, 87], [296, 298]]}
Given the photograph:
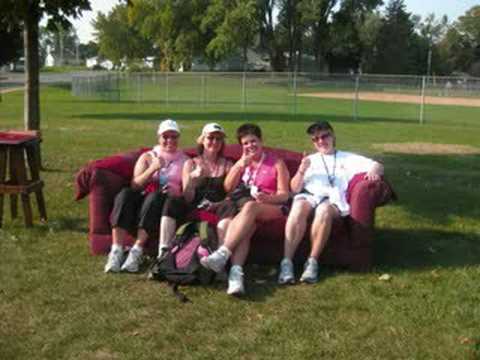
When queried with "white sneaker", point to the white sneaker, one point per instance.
{"points": [[286, 275], [133, 261], [310, 273], [217, 260], [115, 260], [235, 281]]}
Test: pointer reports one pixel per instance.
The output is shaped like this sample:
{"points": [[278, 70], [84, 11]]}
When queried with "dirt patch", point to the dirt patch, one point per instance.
{"points": [[4, 91], [428, 149], [397, 98]]}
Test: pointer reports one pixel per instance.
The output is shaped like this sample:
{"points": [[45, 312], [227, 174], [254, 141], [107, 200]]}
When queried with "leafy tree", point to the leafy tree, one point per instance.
{"points": [[396, 38], [235, 25], [88, 50], [173, 27], [118, 39], [27, 13], [11, 40], [63, 43], [269, 37]]}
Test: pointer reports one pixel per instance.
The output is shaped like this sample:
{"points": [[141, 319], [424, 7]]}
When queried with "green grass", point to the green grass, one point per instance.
{"points": [[55, 302]]}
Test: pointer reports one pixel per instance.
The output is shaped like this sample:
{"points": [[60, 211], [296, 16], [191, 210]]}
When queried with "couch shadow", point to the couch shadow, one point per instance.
{"points": [[418, 249]]}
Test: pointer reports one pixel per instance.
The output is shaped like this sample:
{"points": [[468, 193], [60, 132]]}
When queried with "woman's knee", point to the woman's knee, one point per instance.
{"points": [[251, 208], [300, 210], [325, 212]]}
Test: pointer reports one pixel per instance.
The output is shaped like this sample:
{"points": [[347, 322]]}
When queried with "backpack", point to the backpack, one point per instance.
{"points": [[180, 264]]}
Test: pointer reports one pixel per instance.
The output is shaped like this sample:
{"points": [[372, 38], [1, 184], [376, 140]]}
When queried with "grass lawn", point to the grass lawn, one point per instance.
{"points": [[56, 303]]}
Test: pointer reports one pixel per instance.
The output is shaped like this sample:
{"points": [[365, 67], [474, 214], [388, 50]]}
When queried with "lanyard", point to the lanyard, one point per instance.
{"points": [[252, 175], [331, 177]]}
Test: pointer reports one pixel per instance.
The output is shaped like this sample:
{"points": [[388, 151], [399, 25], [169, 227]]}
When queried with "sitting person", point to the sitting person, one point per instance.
{"points": [[202, 180], [156, 175], [260, 181], [321, 184]]}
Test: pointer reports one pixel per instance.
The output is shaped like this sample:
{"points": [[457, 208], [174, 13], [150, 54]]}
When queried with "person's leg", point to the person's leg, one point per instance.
{"points": [[222, 227], [239, 230], [149, 220], [320, 232], [294, 233], [175, 208], [123, 218]]}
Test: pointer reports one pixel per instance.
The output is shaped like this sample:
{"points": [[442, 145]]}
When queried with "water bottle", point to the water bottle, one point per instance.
{"points": [[163, 178]]}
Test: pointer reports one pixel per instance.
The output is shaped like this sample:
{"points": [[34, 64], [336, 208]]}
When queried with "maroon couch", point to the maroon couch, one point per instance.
{"points": [[350, 244]]}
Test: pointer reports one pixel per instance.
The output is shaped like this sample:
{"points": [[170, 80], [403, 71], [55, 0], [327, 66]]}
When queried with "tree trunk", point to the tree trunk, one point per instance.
{"points": [[32, 98]]}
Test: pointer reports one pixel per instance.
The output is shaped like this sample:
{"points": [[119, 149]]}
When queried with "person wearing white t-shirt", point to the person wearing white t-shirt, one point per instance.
{"points": [[320, 185]]}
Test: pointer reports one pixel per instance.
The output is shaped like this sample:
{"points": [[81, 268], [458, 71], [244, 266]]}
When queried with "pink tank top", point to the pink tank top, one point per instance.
{"points": [[265, 176], [172, 171]]}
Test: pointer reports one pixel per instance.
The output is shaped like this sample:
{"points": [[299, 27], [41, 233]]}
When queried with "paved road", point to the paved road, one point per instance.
{"points": [[10, 80]]}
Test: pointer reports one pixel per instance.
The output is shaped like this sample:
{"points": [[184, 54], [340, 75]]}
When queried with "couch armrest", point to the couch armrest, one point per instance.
{"points": [[104, 186], [365, 197]]}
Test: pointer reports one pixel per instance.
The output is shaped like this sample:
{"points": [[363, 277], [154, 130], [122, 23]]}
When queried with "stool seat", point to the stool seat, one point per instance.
{"points": [[19, 156]]}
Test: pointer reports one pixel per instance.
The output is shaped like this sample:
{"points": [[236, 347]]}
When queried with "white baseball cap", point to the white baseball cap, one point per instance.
{"points": [[212, 128], [168, 125]]}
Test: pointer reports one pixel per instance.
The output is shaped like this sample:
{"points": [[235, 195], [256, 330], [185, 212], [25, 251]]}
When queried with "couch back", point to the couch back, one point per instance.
{"points": [[123, 164]]}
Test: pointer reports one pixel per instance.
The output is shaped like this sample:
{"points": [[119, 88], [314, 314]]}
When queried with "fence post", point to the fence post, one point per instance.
{"points": [[355, 100], [202, 90], [166, 88], [422, 100], [294, 94], [244, 100]]}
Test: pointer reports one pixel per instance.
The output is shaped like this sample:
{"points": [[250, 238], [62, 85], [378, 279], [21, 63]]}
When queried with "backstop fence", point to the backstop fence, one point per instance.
{"points": [[401, 96]]}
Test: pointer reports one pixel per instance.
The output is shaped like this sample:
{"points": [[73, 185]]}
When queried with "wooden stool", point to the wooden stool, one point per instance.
{"points": [[14, 145]]}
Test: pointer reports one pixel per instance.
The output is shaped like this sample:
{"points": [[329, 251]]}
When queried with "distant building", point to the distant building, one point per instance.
{"points": [[95, 62]]}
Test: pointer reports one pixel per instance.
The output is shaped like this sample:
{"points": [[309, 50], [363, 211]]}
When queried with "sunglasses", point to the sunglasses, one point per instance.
{"points": [[321, 137], [218, 138], [171, 137]]}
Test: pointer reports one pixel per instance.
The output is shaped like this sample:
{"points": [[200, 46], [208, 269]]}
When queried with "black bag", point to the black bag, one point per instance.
{"points": [[180, 264], [241, 191]]}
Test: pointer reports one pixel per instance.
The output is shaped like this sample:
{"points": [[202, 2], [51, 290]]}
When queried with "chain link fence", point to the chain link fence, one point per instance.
{"points": [[357, 96]]}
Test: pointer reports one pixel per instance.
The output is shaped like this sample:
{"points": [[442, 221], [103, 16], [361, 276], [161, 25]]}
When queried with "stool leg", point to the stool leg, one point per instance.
{"points": [[3, 175], [34, 165], [18, 173], [14, 160], [41, 205], [27, 210]]}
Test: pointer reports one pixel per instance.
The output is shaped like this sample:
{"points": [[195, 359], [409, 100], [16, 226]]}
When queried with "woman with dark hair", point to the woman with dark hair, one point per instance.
{"points": [[258, 183], [157, 175], [202, 181], [321, 184]]}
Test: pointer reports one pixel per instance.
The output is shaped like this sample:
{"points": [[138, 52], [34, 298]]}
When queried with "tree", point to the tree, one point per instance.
{"points": [[88, 50], [395, 44], [235, 24], [27, 13], [11, 40], [63, 43], [119, 39], [173, 27]]}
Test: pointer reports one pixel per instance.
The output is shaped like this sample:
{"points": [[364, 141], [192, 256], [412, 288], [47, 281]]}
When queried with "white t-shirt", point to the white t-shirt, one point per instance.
{"points": [[341, 168]]}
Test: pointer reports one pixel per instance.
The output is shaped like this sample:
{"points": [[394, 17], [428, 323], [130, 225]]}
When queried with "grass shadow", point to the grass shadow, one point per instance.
{"points": [[424, 249]]}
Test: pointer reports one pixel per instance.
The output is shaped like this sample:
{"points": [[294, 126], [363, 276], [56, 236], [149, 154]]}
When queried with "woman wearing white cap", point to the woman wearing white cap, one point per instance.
{"points": [[202, 179], [157, 174]]}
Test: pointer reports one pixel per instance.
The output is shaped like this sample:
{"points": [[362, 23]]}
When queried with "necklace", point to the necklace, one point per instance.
{"points": [[331, 177], [212, 166]]}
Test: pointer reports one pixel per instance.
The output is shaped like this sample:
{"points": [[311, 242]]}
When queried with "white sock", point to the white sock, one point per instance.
{"points": [[117, 247], [137, 247], [225, 251]]}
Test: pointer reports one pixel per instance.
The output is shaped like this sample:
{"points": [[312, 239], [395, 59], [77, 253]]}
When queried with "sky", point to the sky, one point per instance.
{"points": [[452, 8]]}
